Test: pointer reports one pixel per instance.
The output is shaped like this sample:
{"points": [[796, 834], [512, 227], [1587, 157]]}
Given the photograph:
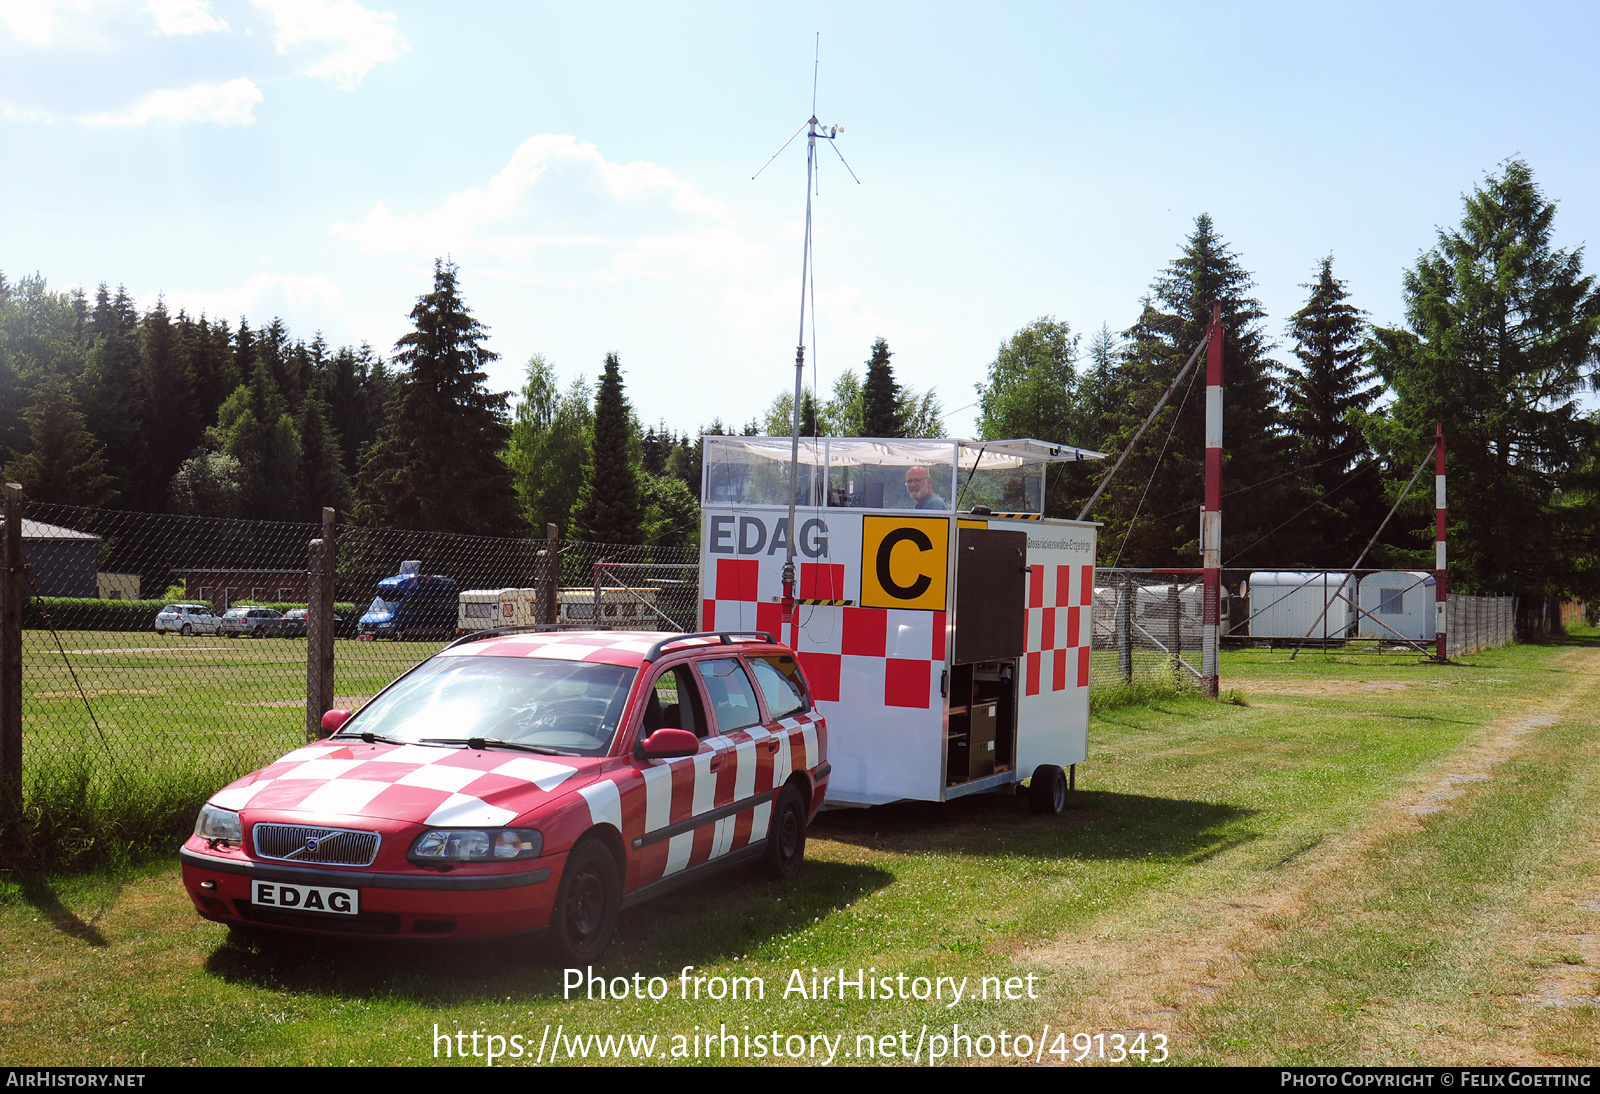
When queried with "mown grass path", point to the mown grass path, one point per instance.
{"points": [[1367, 860]]}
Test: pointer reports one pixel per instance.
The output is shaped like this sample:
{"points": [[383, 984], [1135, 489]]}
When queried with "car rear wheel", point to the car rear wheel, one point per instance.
{"points": [[1047, 790], [587, 904], [786, 837]]}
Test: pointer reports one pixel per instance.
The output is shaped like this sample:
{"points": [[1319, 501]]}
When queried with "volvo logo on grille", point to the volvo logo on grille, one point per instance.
{"points": [[312, 843]]}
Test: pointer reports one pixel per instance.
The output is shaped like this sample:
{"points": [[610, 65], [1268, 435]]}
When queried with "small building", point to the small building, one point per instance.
{"points": [[63, 561], [1302, 606], [222, 588], [118, 586], [1398, 604]]}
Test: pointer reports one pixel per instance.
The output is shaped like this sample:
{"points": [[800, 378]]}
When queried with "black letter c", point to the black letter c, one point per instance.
{"points": [[886, 548]]}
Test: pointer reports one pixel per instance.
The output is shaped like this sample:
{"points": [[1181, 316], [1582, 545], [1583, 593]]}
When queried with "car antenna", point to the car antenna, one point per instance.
{"points": [[830, 133]]}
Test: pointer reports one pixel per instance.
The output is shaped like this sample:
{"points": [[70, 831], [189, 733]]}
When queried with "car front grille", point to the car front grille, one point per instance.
{"points": [[306, 843]]}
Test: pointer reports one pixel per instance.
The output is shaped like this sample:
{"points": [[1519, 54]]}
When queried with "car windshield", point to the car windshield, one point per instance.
{"points": [[379, 604], [566, 706]]}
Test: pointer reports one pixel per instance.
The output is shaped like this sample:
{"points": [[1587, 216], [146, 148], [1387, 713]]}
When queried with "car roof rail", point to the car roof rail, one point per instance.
{"points": [[524, 628], [727, 638]]}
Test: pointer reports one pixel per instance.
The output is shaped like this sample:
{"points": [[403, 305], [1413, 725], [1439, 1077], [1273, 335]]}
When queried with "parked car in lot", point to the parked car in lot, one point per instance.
{"points": [[187, 619], [526, 779], [249, 622], [292, 624]]}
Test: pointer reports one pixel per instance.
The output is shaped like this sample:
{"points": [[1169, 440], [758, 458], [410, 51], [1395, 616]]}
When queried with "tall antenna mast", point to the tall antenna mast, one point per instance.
{"points": [[814, 130]]}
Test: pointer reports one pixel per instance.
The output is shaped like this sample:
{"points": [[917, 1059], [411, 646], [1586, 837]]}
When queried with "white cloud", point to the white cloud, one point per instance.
{"points": [[347, 39], [261, 295], [560, 213], [45, 23], [184, 17], [230, 103]]}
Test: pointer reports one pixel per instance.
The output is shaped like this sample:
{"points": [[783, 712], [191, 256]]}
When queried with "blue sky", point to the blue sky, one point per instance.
{"points": [[588, 166]]}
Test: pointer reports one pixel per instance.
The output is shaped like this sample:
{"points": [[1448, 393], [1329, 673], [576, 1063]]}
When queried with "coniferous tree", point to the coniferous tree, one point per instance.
{"points": [[437, 466], [1155, 502], [168, 413], [607, 509], [1331, 381], [1502, 330], [64, 463], [321, 463], [880, 396], [108, 389]]}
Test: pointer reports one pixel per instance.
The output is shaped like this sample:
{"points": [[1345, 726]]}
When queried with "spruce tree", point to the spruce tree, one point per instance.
{"points": [[437, 466], [1160, 488], [1331, 381], [64, 463], [1502, 331], [880, 396], [607, 509]]}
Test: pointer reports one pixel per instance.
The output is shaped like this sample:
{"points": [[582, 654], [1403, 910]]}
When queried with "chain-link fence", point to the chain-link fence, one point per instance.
{"points": [[164, 655]]}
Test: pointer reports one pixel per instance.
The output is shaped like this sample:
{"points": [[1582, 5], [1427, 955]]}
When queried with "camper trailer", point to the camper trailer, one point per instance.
{"points": [[1294, 606], [1398, 604]]}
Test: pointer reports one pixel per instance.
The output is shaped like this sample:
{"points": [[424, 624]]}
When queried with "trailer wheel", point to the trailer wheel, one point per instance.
{"points": [[1047, 790]]}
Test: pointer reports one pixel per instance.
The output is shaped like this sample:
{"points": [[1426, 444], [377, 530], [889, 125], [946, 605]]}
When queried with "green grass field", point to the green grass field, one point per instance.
{"points": [[1363, 859]]}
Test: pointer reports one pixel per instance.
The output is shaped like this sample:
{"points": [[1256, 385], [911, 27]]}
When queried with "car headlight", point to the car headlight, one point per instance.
{"points": [[476, 845], [220, 825]]}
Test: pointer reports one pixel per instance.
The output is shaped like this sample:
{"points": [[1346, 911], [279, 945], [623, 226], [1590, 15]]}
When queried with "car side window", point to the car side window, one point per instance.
{"points": [[781, 686], [674, 703], [733, 700]]}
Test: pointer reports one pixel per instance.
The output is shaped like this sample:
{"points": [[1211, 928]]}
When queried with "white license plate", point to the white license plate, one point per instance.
{"points": [[305, 898]]}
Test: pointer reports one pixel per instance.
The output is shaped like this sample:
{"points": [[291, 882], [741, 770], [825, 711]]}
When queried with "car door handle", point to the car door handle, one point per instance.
{"points": [[716, 761], [772, 744]]}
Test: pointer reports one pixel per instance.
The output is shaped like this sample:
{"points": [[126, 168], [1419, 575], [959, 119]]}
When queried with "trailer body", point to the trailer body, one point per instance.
{"points": [[1302, 606], [1398, 604], [949, 650]]}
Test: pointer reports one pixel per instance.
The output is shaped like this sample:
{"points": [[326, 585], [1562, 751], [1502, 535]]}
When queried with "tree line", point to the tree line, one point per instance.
{"points": [[101, 405]]}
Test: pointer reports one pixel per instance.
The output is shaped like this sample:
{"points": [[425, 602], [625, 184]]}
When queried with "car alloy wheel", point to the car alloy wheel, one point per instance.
{"points": [[587, 904], [786, 839], [188, 630]]}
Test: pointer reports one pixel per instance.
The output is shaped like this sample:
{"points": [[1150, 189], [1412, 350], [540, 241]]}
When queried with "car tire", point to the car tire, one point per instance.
{"points": [[786, 835], [1047, 790], [587, 904], [188, 631]]}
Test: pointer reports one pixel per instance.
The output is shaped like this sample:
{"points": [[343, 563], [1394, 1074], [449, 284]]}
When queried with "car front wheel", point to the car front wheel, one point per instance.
{"points": [[188, 630], [786, 838], [587, 904]]}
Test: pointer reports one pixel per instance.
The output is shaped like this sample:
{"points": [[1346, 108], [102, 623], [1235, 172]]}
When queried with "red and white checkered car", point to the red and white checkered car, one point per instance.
{"points": [[521, 782]]}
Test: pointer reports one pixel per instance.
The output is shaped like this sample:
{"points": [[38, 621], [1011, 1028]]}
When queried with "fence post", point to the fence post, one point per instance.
{"points": [[321, 559], [1174, 627], [597, 566], [548, 609], [1125, 629], [11, 659]]}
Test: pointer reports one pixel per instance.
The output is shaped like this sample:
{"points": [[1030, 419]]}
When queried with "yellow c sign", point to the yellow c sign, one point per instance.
{"points": [[904, 562]]}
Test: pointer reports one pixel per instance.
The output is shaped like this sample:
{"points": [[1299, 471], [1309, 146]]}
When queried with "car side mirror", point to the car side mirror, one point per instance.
{"points": [[332, 720], [667, 744]]}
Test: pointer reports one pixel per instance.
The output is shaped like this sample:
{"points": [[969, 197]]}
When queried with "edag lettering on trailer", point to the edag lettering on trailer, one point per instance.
{"points": [[732, 535]]}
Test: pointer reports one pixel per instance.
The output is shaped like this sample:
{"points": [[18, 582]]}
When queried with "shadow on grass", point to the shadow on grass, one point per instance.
{"points": [[42, 895], [722, 918], [1098, 824]]}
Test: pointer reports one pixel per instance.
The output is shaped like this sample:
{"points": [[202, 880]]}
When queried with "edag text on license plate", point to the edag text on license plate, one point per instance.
{"points": [[305, 898]]}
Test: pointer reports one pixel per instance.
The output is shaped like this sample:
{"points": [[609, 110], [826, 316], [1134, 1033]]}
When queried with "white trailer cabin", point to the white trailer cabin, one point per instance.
{"points": [[1302, 606], [485, 609], [1398, 604], [944, 627]]}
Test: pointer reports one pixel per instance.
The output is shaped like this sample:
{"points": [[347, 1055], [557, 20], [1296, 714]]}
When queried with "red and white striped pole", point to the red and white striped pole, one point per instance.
{"points": [[1440, 649], [1211, 513]]}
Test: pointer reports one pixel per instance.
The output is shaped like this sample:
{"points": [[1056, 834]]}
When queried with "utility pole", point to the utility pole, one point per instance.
{"points": [[1211, 513]]}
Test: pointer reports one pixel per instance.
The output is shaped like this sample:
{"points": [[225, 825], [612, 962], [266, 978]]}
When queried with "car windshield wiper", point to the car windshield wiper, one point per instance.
{"points": [[369, 738], [495, 742]]}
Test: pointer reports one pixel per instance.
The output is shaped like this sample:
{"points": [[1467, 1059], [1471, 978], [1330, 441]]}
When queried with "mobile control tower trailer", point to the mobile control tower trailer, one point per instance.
{"points": [[943, 625]]}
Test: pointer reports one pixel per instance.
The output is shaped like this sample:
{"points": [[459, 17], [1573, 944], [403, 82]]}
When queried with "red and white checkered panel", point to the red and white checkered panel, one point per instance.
{"points": [[1060, 606], [449, 787]]}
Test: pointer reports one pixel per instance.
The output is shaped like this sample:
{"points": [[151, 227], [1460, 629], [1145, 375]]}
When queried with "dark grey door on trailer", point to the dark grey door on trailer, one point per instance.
{"points": [[991, 595]]}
